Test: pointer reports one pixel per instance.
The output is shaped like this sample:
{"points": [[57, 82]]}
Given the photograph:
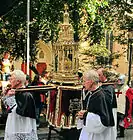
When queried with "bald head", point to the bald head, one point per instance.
{"points": [[101, 73]]}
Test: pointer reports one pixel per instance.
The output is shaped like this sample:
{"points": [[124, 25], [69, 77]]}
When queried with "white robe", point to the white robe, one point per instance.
{"points": [[121, 100], [115, 119], [94, 129], [19, 127]]}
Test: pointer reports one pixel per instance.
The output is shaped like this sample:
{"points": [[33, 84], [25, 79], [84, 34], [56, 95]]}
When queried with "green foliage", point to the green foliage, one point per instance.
{"points": [[95, 50], [89, 18], [100, 55], [94, 22], [119, 11]]}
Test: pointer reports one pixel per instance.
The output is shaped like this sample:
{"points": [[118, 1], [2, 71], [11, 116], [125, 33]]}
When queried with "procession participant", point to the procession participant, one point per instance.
{"points": [[121, 89], [110, 95], [95, 114], [47, 78], [103, 78], [21, 122], [129, 109], [28, 81], [6, 65], [37, 97]]}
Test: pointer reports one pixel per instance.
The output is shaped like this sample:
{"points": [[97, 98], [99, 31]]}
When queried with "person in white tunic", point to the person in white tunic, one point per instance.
{"points": [[121, 90], [94, 118], [21, 122]]}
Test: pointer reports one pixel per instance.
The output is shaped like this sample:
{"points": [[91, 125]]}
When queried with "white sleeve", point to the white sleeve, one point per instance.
{"points": [[93, 123], [79, 124]]}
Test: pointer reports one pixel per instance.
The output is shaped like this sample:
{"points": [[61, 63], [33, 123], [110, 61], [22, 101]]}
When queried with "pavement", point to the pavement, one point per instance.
{"points": [[43, 134], [128, 135]]}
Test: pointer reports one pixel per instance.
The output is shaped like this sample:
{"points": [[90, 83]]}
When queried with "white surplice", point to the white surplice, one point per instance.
{"points": [[115, 119], [19, 127], [95, 130]]}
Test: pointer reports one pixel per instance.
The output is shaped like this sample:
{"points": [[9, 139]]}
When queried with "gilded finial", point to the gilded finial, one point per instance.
{"points": [[66, 7], [66, 14]]}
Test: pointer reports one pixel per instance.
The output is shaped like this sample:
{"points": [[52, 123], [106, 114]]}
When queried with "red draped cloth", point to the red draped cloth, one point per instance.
{"points": [[129, 108]]}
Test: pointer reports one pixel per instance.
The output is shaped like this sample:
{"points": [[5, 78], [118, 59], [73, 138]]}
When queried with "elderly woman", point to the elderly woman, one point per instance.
{"points": [[21, 121]]}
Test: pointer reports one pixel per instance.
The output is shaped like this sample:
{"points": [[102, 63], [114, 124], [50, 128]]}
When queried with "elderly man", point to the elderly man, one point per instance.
{"points": [[21, 122], [94, 114], [110, 97]]}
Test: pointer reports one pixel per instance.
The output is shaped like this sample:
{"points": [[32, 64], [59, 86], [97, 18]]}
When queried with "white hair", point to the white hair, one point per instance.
{"points": [[19, 75], [92, 75]]}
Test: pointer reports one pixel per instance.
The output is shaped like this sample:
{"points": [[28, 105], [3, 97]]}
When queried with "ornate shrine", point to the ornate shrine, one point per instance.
{"points": [[65, 54], [65, 102]]}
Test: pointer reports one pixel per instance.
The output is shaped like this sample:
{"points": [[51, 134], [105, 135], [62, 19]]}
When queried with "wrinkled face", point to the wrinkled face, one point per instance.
{"points": [[14, 83], [87, 83], [102, 78]]}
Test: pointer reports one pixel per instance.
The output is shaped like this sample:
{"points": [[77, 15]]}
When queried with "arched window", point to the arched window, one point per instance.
{"points": [[41, 55]]}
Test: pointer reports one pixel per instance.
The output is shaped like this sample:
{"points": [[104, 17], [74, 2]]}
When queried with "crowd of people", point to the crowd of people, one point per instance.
{"points": [[106, 107]]}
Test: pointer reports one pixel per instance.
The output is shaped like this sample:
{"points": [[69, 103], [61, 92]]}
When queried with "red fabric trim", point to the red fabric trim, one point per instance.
{"points": [[41, 95], [52, 100]]}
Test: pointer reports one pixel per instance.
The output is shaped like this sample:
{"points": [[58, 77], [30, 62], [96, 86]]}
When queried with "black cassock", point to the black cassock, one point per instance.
{"points": [[96, 102], [21, 122], [97, 120], [25, 104]]}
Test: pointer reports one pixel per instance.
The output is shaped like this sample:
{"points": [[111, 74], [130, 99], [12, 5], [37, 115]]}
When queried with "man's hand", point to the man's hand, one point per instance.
{"points": [[81, 113]]}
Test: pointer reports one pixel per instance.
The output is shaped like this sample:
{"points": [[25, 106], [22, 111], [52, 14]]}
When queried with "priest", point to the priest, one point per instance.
{"points": [[21, 120], [94, 117], [107, 79]]}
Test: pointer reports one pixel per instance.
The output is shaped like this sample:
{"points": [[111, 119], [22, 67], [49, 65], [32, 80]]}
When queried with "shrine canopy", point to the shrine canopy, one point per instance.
{"points": [[65, 53]]}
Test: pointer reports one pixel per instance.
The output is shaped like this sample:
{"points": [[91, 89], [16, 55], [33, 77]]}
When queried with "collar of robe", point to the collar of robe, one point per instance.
{"points": [[90, 94]]}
